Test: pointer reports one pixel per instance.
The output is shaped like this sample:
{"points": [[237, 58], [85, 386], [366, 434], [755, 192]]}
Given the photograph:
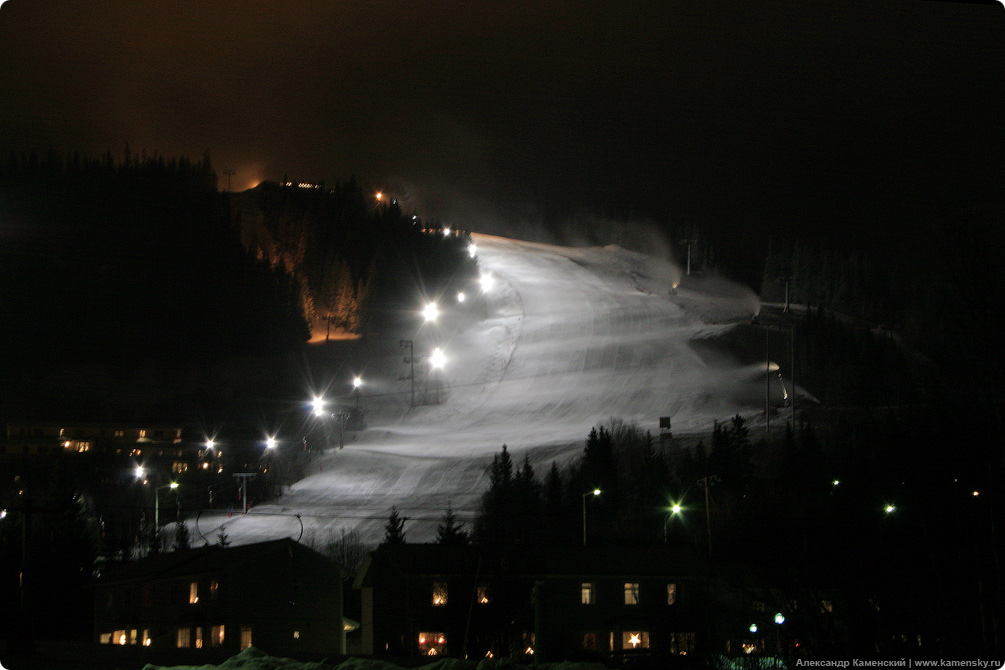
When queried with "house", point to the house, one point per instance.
{"points": [[542, 603], [280, 596]]}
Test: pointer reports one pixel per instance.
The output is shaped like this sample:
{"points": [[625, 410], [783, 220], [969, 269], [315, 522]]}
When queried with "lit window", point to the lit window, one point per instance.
{"points": [[826, 606], [590, 641], [119, 637], [198, 637], [296, 635], [483, 595], [432, 644], [638, 639], [143, 433], [216, 636], [146, 637], [587, 591], [179, 467], [120, 433], [183, 638], [245, 637], [106, 638], [671, 594], [681, 643], [133, 636], [193, 593], [439, 593], [214, 589], [631, 593]]}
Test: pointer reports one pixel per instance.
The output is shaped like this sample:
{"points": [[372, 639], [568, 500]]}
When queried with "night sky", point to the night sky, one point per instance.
{"points": [[749, 116]]}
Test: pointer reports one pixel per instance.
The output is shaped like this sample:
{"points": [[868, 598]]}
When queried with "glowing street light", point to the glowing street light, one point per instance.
{"points": [[446, 232], [357, 383], [594, 492], [210, 444], [753, 628], [461, 297], [318, 406], [437, 359], [890, 509], [675, 509], [430, 311], [379, 196], [140, 472], [270, 442], [779, 618], [472, 249], [487, 281]]}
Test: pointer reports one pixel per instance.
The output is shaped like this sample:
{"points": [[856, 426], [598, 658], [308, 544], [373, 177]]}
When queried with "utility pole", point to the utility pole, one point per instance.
{"points": [[786, 280], [244, 477], [767, 385], [706, 482], [410, 359], [792, 374]]}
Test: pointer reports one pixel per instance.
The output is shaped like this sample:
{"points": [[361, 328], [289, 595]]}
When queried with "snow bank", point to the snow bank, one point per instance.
{"points": [[256, 659]]}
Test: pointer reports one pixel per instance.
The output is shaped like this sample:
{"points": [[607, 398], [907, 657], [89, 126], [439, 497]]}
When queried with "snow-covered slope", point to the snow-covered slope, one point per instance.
{"points": [[565, 339]]}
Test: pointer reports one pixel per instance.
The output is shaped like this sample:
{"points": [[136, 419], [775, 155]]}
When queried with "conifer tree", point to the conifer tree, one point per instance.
{"points": [[394, 529], [449, 532]]}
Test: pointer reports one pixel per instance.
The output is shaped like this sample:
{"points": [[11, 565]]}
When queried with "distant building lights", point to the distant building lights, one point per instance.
{"points": [[779, 618]]}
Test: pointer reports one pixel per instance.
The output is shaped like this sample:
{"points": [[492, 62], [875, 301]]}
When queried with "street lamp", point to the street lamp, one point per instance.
{"points": [[487, 281], [270, 442], [675, 510], [157, 508], [594, 492], [437, 359], [318, 406], [357, 383], [430, 312]]}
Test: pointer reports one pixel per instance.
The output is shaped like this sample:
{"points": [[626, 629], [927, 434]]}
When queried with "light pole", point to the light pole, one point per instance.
{"points": [[674, 511], [357, 382], [437, 359], [157, 508], [594, 492], [410, 359]]}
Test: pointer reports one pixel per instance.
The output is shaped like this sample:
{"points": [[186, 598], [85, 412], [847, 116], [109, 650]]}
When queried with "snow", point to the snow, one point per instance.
{"points": [[254, 659], [566, 339]]}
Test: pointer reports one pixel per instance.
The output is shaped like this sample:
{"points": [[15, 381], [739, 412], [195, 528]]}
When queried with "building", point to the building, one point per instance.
{"points": [[279, 596], [545, 604]]}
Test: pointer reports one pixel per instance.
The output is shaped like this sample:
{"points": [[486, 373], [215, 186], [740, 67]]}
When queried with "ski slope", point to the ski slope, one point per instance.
{"points": [[565, 339]]}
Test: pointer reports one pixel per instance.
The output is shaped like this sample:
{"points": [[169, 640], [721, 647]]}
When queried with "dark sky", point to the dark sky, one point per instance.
{"points": [[747, 114]]}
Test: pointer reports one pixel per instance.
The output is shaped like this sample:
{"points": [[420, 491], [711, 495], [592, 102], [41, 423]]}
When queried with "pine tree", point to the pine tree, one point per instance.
{"points": [[182, 539], [450, 532], [394, 530], [222, 540]]}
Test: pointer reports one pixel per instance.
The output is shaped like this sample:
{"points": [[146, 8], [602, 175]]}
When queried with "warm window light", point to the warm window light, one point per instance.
{"points": [[446, 232]]}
